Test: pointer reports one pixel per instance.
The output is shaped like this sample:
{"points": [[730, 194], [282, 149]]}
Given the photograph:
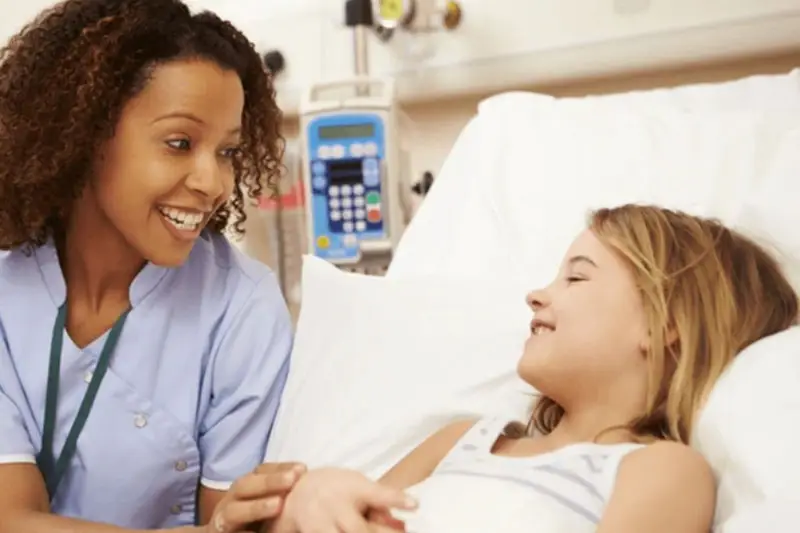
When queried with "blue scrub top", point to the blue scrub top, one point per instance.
{"points": [[190, 396]]}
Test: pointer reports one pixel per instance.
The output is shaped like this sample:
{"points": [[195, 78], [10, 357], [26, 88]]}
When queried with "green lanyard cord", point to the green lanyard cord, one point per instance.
{"points": [[53, 470]]}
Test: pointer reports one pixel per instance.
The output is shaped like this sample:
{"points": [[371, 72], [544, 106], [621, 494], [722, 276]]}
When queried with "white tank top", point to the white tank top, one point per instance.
{"points": [[473, 490]]}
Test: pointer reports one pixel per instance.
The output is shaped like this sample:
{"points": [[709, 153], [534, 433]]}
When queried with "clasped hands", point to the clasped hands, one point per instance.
{"points": [[293, 500]]}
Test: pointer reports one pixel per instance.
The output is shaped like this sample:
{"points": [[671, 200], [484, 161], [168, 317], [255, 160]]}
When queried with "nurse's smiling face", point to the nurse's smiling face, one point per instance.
{"points": [[170, 164]]}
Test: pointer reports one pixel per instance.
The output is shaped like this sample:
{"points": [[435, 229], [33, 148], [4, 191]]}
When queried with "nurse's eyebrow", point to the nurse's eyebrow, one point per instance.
{"points": [[582, 259], [189, 116], [180, 114]]}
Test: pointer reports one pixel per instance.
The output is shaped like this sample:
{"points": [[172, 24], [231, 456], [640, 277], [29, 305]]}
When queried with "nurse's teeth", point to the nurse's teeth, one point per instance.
{"points": [[181, 219]]}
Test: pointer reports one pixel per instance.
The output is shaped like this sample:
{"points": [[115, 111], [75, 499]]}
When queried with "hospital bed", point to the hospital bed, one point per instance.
{"points": [[380, 363]]}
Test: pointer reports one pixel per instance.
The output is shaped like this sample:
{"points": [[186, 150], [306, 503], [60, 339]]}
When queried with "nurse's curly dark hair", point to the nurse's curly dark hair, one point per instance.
{"points": [[64, 80]]}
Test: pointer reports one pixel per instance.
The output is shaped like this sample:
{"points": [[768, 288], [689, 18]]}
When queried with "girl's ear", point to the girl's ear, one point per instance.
{"points": [[670, 340]]}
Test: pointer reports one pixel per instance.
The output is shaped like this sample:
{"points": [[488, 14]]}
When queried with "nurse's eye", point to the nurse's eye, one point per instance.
{"points": [[575, 279], [179, 144], [230, 153]]}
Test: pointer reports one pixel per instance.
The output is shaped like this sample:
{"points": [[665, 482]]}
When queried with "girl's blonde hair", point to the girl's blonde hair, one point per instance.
{"points": [[708, 293]]}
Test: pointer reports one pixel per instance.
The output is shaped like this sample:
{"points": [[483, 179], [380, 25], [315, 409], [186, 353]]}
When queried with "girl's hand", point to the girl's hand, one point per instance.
{"points": [[382, 521], [337, 501]]}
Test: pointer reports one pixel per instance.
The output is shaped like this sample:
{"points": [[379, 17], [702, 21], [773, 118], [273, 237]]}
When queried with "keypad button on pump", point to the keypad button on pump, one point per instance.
{"points": [[359, 214], [374, 215], [373, 198], [333, 190], [338, 151], [372, 180], [347, 214], [346, 190], [356, 149], [371, 149], [348, 227], [370, 166], [361, 225], [336, 215], [318, 168], [358, 201], [323, 242], [334, 203], [358, 189]]}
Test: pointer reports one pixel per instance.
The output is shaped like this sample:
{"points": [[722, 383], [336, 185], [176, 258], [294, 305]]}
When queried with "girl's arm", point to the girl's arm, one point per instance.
{"points": [[423, 460], [664, 488]]}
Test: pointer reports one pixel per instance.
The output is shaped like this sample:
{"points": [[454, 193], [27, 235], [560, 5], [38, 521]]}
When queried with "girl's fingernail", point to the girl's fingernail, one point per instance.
{"points": [[289, 477], [410, 502]]}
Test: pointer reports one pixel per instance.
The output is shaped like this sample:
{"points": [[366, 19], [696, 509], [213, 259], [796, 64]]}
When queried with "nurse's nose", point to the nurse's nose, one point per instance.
{"points": [[207, 177]]}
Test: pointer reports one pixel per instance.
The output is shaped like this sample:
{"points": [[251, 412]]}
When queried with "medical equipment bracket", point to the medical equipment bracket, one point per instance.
{"points": [[412, 16]]}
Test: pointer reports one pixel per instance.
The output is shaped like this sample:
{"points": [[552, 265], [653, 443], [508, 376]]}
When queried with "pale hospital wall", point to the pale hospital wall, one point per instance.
{"points": [[437, 124]]}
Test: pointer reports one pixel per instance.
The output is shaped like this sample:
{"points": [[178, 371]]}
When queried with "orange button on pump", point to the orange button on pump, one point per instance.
{"points": [[374, 215]]}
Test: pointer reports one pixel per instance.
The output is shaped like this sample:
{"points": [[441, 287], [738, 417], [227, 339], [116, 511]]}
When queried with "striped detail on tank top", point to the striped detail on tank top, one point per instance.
{"points": [[575, 477]]}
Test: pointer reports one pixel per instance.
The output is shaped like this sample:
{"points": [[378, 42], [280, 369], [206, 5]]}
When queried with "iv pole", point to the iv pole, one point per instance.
{"points": [[358, 15]]}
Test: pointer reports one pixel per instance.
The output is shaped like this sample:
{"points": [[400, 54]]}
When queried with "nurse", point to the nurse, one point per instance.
{"points": [[142, 357]]}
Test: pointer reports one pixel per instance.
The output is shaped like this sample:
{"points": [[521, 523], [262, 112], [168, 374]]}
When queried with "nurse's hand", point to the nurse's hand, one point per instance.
{"points": [[256, 497], [332, 499]]}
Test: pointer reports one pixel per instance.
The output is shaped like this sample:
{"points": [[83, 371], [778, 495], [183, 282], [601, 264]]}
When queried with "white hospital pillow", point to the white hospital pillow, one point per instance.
{"points": [[519, 184], [674, 146], [457, 229], [577, 161], [770, 211], [748, 428], [380, 364]]}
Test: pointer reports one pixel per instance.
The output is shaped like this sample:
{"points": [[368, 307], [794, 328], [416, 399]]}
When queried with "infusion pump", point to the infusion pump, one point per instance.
{"points": [[352, 171]]}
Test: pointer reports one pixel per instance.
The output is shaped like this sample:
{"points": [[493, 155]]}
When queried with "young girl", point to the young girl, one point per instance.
{"points": [[142, 358], [649, 308]]}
